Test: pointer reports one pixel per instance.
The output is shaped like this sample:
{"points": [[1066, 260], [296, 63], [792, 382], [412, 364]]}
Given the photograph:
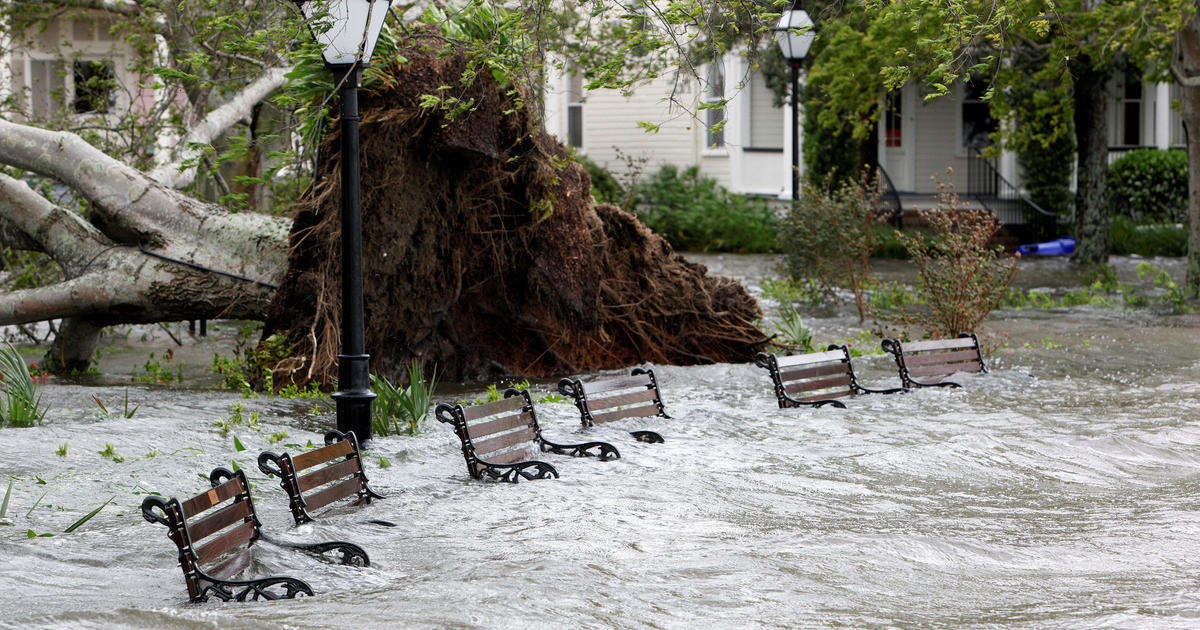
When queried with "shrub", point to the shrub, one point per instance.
{"points": [[694, 213], [1126, 237], [829, 236], [21, 405], [400, 410], [1150, 185], [605, 187], [963, 275]]}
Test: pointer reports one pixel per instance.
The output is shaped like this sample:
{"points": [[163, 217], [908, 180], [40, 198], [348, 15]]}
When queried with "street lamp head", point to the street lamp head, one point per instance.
{"points": [[794, 33], [346, 29]]}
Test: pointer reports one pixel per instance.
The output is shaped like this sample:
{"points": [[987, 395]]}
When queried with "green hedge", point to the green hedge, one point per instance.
{"points": [[694, 213], [1149, 185], [1126, 237]]}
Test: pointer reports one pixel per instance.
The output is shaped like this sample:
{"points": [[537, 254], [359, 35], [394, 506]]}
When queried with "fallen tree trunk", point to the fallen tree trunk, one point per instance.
{"points": [[485, 255], [149, 253]]}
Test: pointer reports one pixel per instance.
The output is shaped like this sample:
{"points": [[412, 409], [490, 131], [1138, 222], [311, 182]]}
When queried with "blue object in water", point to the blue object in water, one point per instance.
{"points": [[1057, 247]]}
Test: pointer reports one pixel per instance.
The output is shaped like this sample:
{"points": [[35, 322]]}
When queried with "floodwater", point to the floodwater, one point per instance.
{"points": [[1059, 490]]}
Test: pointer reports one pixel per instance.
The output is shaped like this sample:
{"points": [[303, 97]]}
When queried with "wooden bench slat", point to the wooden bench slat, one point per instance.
{"points": [[937, 344], [328, 474], [815, 384], [325, 496], [215, 522], [631, 412], [812, 357], [809, 372], [475, 412], [321, 455], [508, 457], [502, 441], [941, 357], [626, 382], [840, 394], [622, 399], [203, 501], [484, 429], [218, 546], [944, 369]]}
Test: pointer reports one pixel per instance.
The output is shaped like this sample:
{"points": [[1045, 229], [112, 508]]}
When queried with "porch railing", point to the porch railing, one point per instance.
{"points": [[1012, 207]]}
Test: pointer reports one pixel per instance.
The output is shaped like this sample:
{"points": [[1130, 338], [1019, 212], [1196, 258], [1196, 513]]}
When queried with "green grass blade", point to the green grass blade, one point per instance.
{"points": [[35, 504], [87, 518], [7, 494]]}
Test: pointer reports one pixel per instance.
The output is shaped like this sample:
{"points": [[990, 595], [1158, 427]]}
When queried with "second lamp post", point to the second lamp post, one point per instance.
{"points": [[794, 34]]}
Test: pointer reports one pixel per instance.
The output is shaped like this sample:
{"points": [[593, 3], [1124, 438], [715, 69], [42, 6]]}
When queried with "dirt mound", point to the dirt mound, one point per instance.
{"points": [[485, 255]]}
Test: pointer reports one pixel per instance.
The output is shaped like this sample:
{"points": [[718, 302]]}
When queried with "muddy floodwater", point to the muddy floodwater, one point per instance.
{"points": [[1059, 490]]}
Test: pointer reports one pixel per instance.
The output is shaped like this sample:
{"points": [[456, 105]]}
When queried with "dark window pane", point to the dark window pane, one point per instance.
{"points": [[93, 87]]}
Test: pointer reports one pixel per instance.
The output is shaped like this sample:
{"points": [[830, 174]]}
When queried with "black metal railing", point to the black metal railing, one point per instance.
{"points": [[889, 198], [1012, 207]]}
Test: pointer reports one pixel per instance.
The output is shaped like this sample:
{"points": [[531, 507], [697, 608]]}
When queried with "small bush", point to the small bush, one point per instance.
{"points": [[401, 410], [694, 213], [605, 187], [829, 236], [963, 275], [1150, 185], [20, 405], [1126, 237]]}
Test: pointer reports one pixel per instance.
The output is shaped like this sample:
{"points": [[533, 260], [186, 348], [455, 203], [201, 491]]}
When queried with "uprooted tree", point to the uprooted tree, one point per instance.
{"points": [[484, 252]]}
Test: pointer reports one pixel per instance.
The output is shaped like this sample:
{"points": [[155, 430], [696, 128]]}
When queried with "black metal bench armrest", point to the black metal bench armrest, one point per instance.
{"points": [[605, 451], [348, 553], [513, 473], [893, 390], [241, 590], [649, 437], [938, 384], [815, 403]]}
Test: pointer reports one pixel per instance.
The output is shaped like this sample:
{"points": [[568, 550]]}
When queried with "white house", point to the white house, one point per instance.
{"points": [[917, 138], [74, 67]]}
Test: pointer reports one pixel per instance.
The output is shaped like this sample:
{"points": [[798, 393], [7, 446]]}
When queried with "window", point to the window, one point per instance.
{"points": [[715, 117], [977, 121], [1129, 126], [94, 93], [575, 109], [766, 120], [893, 120], [47, 87]]}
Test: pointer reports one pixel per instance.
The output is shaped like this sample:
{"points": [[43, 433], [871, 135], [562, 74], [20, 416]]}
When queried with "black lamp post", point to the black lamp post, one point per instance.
{"points": [[794, 34], [347, 31]]}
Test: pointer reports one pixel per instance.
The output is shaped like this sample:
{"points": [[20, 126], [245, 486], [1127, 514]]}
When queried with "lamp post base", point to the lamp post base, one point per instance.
{"points": [[354, 396]]}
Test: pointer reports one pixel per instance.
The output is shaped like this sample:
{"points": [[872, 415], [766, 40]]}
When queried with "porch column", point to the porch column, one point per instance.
{"points": [[1162, 115], [786, 172], [736, 114]]}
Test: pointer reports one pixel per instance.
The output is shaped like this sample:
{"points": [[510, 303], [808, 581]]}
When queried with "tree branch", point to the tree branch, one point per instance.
{"points": [[63, 234], [176, 165], [92, 293]]}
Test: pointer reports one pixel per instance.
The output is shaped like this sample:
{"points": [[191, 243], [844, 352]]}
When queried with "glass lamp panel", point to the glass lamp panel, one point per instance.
{"points": [[794, 45], [344, 27]]}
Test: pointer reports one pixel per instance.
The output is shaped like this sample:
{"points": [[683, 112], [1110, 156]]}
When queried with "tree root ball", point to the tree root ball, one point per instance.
{"points": [[484, 254]]}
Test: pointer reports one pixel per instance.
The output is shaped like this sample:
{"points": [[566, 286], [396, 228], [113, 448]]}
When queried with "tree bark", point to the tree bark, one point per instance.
{"points": [[150, 253], [1091, 134], [1187, 71]]}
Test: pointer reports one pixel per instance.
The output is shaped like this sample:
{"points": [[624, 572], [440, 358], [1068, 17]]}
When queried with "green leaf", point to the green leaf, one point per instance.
{"points": [[29, 533], [7, 494], [87, 518], [237, 444]]}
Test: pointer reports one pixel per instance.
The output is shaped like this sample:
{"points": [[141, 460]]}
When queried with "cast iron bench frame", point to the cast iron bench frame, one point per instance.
{"points": [[187, 532], [480, 439], [344, 471], [938, 358], [814, 371], [587, 400]]}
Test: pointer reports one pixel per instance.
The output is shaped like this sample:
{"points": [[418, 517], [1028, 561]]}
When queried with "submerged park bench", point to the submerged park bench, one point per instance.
{"points": [[633, 396], [497, 438], [814, 379], [335, 468], [935, 359], [226, 534]]}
